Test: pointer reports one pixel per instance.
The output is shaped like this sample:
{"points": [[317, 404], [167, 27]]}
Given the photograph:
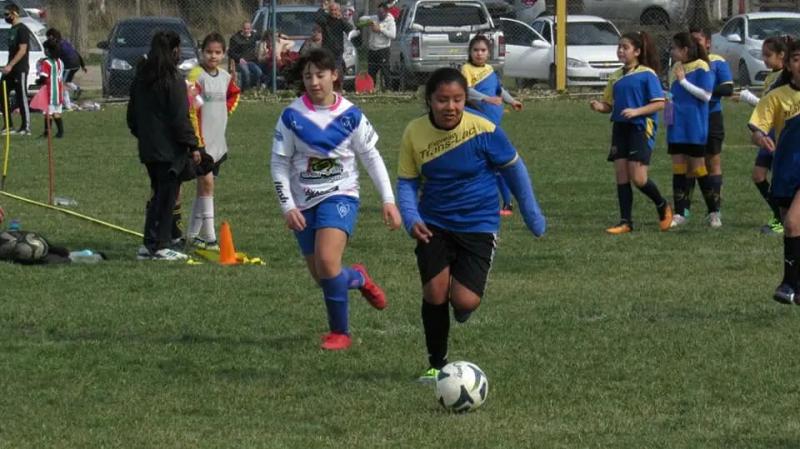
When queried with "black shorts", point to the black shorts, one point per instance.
{"points": [[716, 134], [215, 170], [630, 142], [764, 158], [687, 149], [468, 254]]}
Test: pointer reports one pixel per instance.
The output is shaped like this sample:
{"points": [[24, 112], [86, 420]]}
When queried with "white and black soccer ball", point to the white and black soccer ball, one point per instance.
{"points": [[461, 387], [23, 247]]}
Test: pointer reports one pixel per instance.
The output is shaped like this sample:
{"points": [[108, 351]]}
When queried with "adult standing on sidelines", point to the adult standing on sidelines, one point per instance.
{"points": [[452, 154], [158, 116], [380, 39], [243, 57], [723, 87], [15, 72], [634, 96], [317, 140], [779, 111], [334, 29]]}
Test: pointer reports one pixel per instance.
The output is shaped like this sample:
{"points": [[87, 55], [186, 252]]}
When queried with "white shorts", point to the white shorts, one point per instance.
{"points": [[55, 109]]}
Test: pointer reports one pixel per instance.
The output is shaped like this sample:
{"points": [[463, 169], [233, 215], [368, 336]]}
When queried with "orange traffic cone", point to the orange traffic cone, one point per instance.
{"points": [[227, 253]]}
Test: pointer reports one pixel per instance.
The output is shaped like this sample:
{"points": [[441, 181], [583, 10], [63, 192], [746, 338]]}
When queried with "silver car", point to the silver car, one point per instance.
{"points": [[644, 12], [741, 38]]}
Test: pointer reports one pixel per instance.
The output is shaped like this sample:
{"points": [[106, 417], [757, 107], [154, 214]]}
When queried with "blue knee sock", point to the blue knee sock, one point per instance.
{"points": [[355, 279], [335, 293]]}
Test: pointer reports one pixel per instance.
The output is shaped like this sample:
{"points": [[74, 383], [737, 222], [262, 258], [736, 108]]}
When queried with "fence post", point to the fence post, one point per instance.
{"points": [[561, 45]]}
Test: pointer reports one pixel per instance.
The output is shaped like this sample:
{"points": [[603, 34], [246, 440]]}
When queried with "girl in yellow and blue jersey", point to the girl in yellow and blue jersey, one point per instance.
{"points": [[779, 111], [451, 155], [773, 52], [633, 97], [486, 92], [690, 88]]}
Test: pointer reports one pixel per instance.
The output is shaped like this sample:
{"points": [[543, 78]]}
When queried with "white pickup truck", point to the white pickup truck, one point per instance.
{"points": [[435, 33]]}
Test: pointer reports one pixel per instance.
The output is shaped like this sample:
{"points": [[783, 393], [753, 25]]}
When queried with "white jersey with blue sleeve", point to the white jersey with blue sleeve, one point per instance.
{"points": [[319, 146]]}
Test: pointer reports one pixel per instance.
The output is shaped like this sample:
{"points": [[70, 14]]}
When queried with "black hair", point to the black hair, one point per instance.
{"points": [[648, 54], [478, 38], [160, 66], [11, 7], [52, 48], [700, 30], [777, 44], [322, 58], [696, 51], [445, 75], [53, 33], [792, 47], [211, 38]]}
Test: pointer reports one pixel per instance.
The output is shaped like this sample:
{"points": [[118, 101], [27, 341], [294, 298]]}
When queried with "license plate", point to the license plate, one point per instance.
{"points": [[604, 76]]}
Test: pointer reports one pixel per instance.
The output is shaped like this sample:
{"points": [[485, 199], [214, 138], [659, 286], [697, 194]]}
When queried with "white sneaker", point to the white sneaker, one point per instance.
{"points": [[168, 254], [714, 220], [678, 220]]}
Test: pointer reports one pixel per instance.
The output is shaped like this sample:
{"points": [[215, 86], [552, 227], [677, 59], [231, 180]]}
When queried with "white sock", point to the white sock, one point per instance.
{"points": [[67, 101], [195, 220], [207, 232]]}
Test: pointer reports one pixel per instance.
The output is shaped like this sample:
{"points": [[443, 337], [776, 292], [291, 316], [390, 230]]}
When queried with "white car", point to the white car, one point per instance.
{"points": [[527, 10], [644, 12], [591, 50], [740, 41], [34, 55]]}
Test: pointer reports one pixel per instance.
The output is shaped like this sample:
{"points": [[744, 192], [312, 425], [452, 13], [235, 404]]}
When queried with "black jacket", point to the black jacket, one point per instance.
{"points": [[158, 115], [243, 47], [333, 32]]}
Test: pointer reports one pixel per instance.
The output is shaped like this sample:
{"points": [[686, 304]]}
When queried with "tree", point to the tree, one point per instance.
{"points": [[80, 25]]}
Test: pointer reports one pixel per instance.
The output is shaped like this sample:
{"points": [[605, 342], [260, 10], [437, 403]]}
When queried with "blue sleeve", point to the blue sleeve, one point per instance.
{"points": [[518, 180], [498, 148], [723, 73], [653, 89], [705, 80], [407, 202]]}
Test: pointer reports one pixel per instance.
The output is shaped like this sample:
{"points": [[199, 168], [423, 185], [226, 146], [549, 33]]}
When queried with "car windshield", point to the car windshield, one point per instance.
{"points": [[295, 23], [140, 34], [777, 26], [591, 33], [449, 15]]}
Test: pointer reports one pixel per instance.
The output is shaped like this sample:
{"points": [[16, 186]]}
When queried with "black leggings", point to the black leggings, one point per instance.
{"points": [[18, 82], [158, 221]]}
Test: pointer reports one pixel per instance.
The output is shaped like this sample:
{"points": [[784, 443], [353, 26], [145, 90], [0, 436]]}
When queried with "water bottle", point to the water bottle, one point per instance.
{"points": [[85, 256], [65, 201], [14, 225]]}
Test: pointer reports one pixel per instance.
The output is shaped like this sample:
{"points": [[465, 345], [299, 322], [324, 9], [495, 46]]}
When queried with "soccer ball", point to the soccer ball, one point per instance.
{"points": [[23, 247], [461, 387]]}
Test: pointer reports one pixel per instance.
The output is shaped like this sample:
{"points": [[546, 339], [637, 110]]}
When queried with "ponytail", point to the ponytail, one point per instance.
{"points": [[648, 55]]}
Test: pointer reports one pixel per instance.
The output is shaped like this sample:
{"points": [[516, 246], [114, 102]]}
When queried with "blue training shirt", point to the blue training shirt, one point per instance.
{"points": [[634, 89], [485, 80], [690, 114], [457, 171], [722, 75]]}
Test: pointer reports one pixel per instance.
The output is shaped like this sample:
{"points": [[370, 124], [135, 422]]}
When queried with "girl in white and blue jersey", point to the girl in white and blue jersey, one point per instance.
{"points": [[633, 97], [779, 112], [691, 85], [317, 140]]}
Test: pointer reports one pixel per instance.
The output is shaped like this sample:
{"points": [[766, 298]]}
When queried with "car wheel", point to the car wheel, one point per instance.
{"points": [[654, 16], [551, 78], [744, 74]]}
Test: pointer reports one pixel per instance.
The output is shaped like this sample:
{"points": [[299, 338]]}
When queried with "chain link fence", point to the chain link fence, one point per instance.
{"points": [[394, 46]]}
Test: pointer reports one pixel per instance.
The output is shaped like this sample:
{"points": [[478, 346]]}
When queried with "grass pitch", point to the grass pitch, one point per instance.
{"points": [[647, 340]]}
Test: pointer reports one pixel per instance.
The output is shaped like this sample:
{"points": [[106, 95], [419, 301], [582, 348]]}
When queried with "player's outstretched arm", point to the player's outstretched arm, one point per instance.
{"points": [[407, 200], [516, 176]]}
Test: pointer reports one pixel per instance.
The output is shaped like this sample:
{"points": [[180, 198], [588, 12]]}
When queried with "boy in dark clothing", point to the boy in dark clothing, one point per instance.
{"points": [[334, 28]]}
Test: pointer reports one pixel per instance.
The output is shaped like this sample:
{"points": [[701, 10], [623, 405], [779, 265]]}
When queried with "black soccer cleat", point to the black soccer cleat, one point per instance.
{"points": [[784, 294]]}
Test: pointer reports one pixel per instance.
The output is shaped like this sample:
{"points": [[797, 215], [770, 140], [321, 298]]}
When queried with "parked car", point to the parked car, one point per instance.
{"points": [[34, 55], [644, 12], [591, 50], [435, 33], [296, 22], [36, 8], [527, 10], [129, 41], [740, 40], [36, 27]]}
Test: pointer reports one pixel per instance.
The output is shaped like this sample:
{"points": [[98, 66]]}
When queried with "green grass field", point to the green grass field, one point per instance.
{"points": [[647, 340]]}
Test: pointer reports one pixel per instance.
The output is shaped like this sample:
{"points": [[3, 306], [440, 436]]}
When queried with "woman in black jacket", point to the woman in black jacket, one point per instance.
{"points": [[158, 116]]}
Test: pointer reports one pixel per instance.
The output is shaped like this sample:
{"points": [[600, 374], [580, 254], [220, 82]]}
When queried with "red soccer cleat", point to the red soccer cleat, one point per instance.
{"points": [[371, 291], [335, 342]]}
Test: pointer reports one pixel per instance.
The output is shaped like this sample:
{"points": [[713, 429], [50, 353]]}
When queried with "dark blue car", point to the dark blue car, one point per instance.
{"points": [[129, 41]]}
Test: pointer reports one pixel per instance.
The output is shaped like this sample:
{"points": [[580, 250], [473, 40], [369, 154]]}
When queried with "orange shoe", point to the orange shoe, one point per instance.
{"points": [[371, 291], [335, 342], [665, 223], [507, 210], [622, 228]]}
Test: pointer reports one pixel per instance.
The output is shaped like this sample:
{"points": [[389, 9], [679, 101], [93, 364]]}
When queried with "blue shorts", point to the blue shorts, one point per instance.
{"points": [[339, 212], [764, 158]]}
